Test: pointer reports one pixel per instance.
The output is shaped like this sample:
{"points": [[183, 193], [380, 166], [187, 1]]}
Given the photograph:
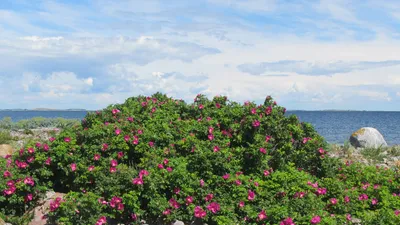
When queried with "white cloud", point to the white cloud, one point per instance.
{"points": [[56, 83], [313, 68], [375, 95], [248, 5]]}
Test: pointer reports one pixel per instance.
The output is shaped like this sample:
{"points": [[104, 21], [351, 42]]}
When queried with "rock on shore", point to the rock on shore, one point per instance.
{"points": [[367, 137]]}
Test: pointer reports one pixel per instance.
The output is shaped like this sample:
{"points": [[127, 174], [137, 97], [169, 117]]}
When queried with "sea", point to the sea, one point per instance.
{"points": [[335, 126]]}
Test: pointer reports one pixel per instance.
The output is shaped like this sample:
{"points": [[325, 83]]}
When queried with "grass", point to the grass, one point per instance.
{"points": [[5, 137]]}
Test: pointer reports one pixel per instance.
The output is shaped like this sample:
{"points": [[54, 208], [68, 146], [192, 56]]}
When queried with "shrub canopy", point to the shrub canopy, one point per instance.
{"points": [[214, 161]]}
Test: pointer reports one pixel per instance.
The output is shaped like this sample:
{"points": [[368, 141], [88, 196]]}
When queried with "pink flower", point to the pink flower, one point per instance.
{"points": [[51, 139], [160, 166], [321, 191], [10, 191], [30, 159], [130, 119], [173, 203], [201, 183], [263, 151], [96, 157], [306, 139], [120, 155], [67, 139], [113, 169], [238, 182], [101, 221], [29, 181], [374, 201], [189, 200], [268, 110], [28, 197], [299, 194], [90, 168], [151, 144], [226, 176], [73, 166], [45, 147], [114, 162], [266, 173], [31, 150], [214, 207], [397, 212], [55, 204], [241, 204], [167, 212], [117, 131], [166, 161], [7, 174], [256, 123], [210, 137], [126, 138], [251, 195], [217, 105], [209, 197], [287, 221], [201, 106], [267, 138], [137, 181], [315, 220], [253, 111], [333, 201], [262, 215], [143, 173], [199, 212], [216, 149], [363, 197], [169, 169], [105, 147], [134, 217], [115, 111], [346, 199], [348, 217]]}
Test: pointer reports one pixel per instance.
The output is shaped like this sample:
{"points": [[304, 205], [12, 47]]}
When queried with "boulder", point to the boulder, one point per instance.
{"points": [[40, 212], [5, 150], [367, 137]]}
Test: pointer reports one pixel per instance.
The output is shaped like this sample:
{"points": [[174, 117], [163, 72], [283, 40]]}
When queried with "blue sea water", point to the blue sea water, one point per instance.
{"points": [[335, 126]]}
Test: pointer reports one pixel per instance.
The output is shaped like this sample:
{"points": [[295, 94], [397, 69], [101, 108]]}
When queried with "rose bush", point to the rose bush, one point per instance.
{"points": [[215, 161]]}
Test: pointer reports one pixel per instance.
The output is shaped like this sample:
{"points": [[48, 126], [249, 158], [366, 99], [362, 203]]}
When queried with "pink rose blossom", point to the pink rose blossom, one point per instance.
{"points": [[214, 207], [73, 166], [199, 212], [251, 195], [189, 200], [262, 215], [315, 220]]}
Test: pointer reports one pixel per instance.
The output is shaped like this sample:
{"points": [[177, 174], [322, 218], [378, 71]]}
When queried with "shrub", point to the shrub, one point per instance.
{"points": [[159, 159]]}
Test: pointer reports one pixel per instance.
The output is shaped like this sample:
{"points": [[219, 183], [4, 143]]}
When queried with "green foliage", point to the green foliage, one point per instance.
{"points": [[215, 161], [5, 137]]}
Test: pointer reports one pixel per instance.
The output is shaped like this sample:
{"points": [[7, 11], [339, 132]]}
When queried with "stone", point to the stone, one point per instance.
{"points": [[177, 222], [5, 150], [43, 208], [367, 137]]}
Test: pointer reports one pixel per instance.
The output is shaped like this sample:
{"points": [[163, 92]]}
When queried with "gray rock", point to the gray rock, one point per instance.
{"points": [[367, 137], [178, 223]]}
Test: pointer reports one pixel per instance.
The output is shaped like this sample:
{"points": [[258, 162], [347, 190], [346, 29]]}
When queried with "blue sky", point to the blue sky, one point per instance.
{"points": [[307, 54]]}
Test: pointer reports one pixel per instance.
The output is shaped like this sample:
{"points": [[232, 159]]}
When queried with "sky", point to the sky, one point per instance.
{"points": [[306, 54]]}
